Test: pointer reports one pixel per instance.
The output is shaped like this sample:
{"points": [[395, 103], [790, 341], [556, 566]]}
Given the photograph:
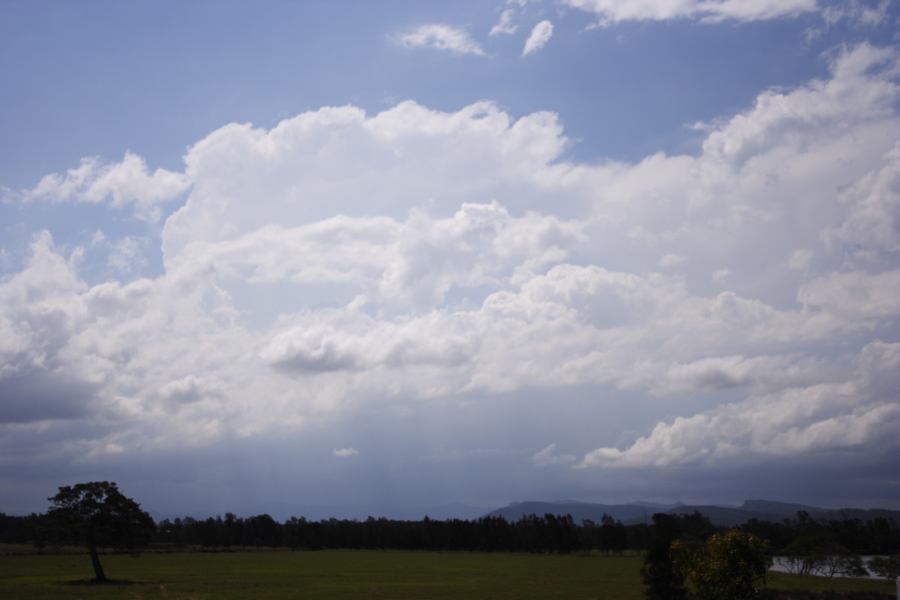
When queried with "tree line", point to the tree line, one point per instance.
{"points": [[534, 533], [550, 533]]}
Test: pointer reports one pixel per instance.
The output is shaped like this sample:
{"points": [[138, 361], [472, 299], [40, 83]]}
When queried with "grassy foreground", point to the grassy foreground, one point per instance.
{"points": [[783, 581], [346, 574]]}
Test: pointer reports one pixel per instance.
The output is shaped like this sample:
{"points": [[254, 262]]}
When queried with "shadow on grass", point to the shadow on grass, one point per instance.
{"points": [[107, 583]]}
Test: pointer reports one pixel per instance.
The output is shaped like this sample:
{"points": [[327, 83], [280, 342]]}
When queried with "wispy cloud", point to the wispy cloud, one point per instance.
{"points": [[540, 35], [613, 11], [441, 37], [857, 13], [345, 452], [127, 182], [505, 25], [550, 457]]}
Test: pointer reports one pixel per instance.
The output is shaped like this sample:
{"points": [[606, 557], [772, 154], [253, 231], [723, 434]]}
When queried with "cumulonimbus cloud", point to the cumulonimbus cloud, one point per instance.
{"points": [[342, 258]]}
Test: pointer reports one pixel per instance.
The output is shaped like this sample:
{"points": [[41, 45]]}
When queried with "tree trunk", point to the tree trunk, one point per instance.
{"points": [[99, 575]]}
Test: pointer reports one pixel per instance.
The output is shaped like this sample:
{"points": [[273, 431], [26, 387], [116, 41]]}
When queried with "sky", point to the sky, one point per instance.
{"points": [[399, 258]]}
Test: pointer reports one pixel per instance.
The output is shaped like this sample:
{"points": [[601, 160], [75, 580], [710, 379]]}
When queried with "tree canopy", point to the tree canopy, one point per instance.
{"points": [[96, 514], [731, 565]]}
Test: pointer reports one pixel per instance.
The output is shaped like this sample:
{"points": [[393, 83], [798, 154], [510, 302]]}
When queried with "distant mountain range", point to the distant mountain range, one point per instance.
{"points": [[724, 516]]}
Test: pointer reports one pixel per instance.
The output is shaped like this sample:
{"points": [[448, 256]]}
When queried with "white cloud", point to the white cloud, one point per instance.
{"points": [[441, 37], [857, 12], [98, 238], [414, 263], [855, 295], [407, 157], [126, 183], [841, 416], [345, 452], [538, 38], [873, 224], [418, 256], [670, 260], [550, 457], [187, 389], [779, 115], [800, 259], [37, 315], [612, 11], [127, 255], [505, 26]]}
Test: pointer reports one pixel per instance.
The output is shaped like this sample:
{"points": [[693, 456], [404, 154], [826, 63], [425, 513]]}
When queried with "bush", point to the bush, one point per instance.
{"points": [[731, 565]]}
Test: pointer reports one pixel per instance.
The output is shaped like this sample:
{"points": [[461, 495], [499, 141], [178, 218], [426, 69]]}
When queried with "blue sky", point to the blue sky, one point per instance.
{"points": [[413, 254], [102, 77]]}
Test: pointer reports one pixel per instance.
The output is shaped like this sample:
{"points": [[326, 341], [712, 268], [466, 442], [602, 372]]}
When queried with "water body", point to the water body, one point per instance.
{"points": [[781, 564]]}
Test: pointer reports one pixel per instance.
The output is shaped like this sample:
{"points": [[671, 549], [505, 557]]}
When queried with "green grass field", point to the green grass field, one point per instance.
{"points": [[347, 574]]}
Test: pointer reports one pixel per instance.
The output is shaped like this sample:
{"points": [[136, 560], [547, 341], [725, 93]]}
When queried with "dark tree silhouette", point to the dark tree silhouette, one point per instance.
{"points": [[532, 533], [97, 514], [661, 579]]}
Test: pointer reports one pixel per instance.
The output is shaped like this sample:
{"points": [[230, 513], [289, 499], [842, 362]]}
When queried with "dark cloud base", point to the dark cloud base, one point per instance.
{"points": [[434, 459]]}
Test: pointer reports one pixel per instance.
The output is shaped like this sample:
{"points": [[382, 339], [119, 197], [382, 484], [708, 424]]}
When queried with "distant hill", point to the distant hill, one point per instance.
{"points": [[766, 510], [780, 508], [723, 516]]}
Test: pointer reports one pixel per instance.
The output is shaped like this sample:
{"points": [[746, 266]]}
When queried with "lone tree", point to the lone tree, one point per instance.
{"points": [[97, 514]]}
